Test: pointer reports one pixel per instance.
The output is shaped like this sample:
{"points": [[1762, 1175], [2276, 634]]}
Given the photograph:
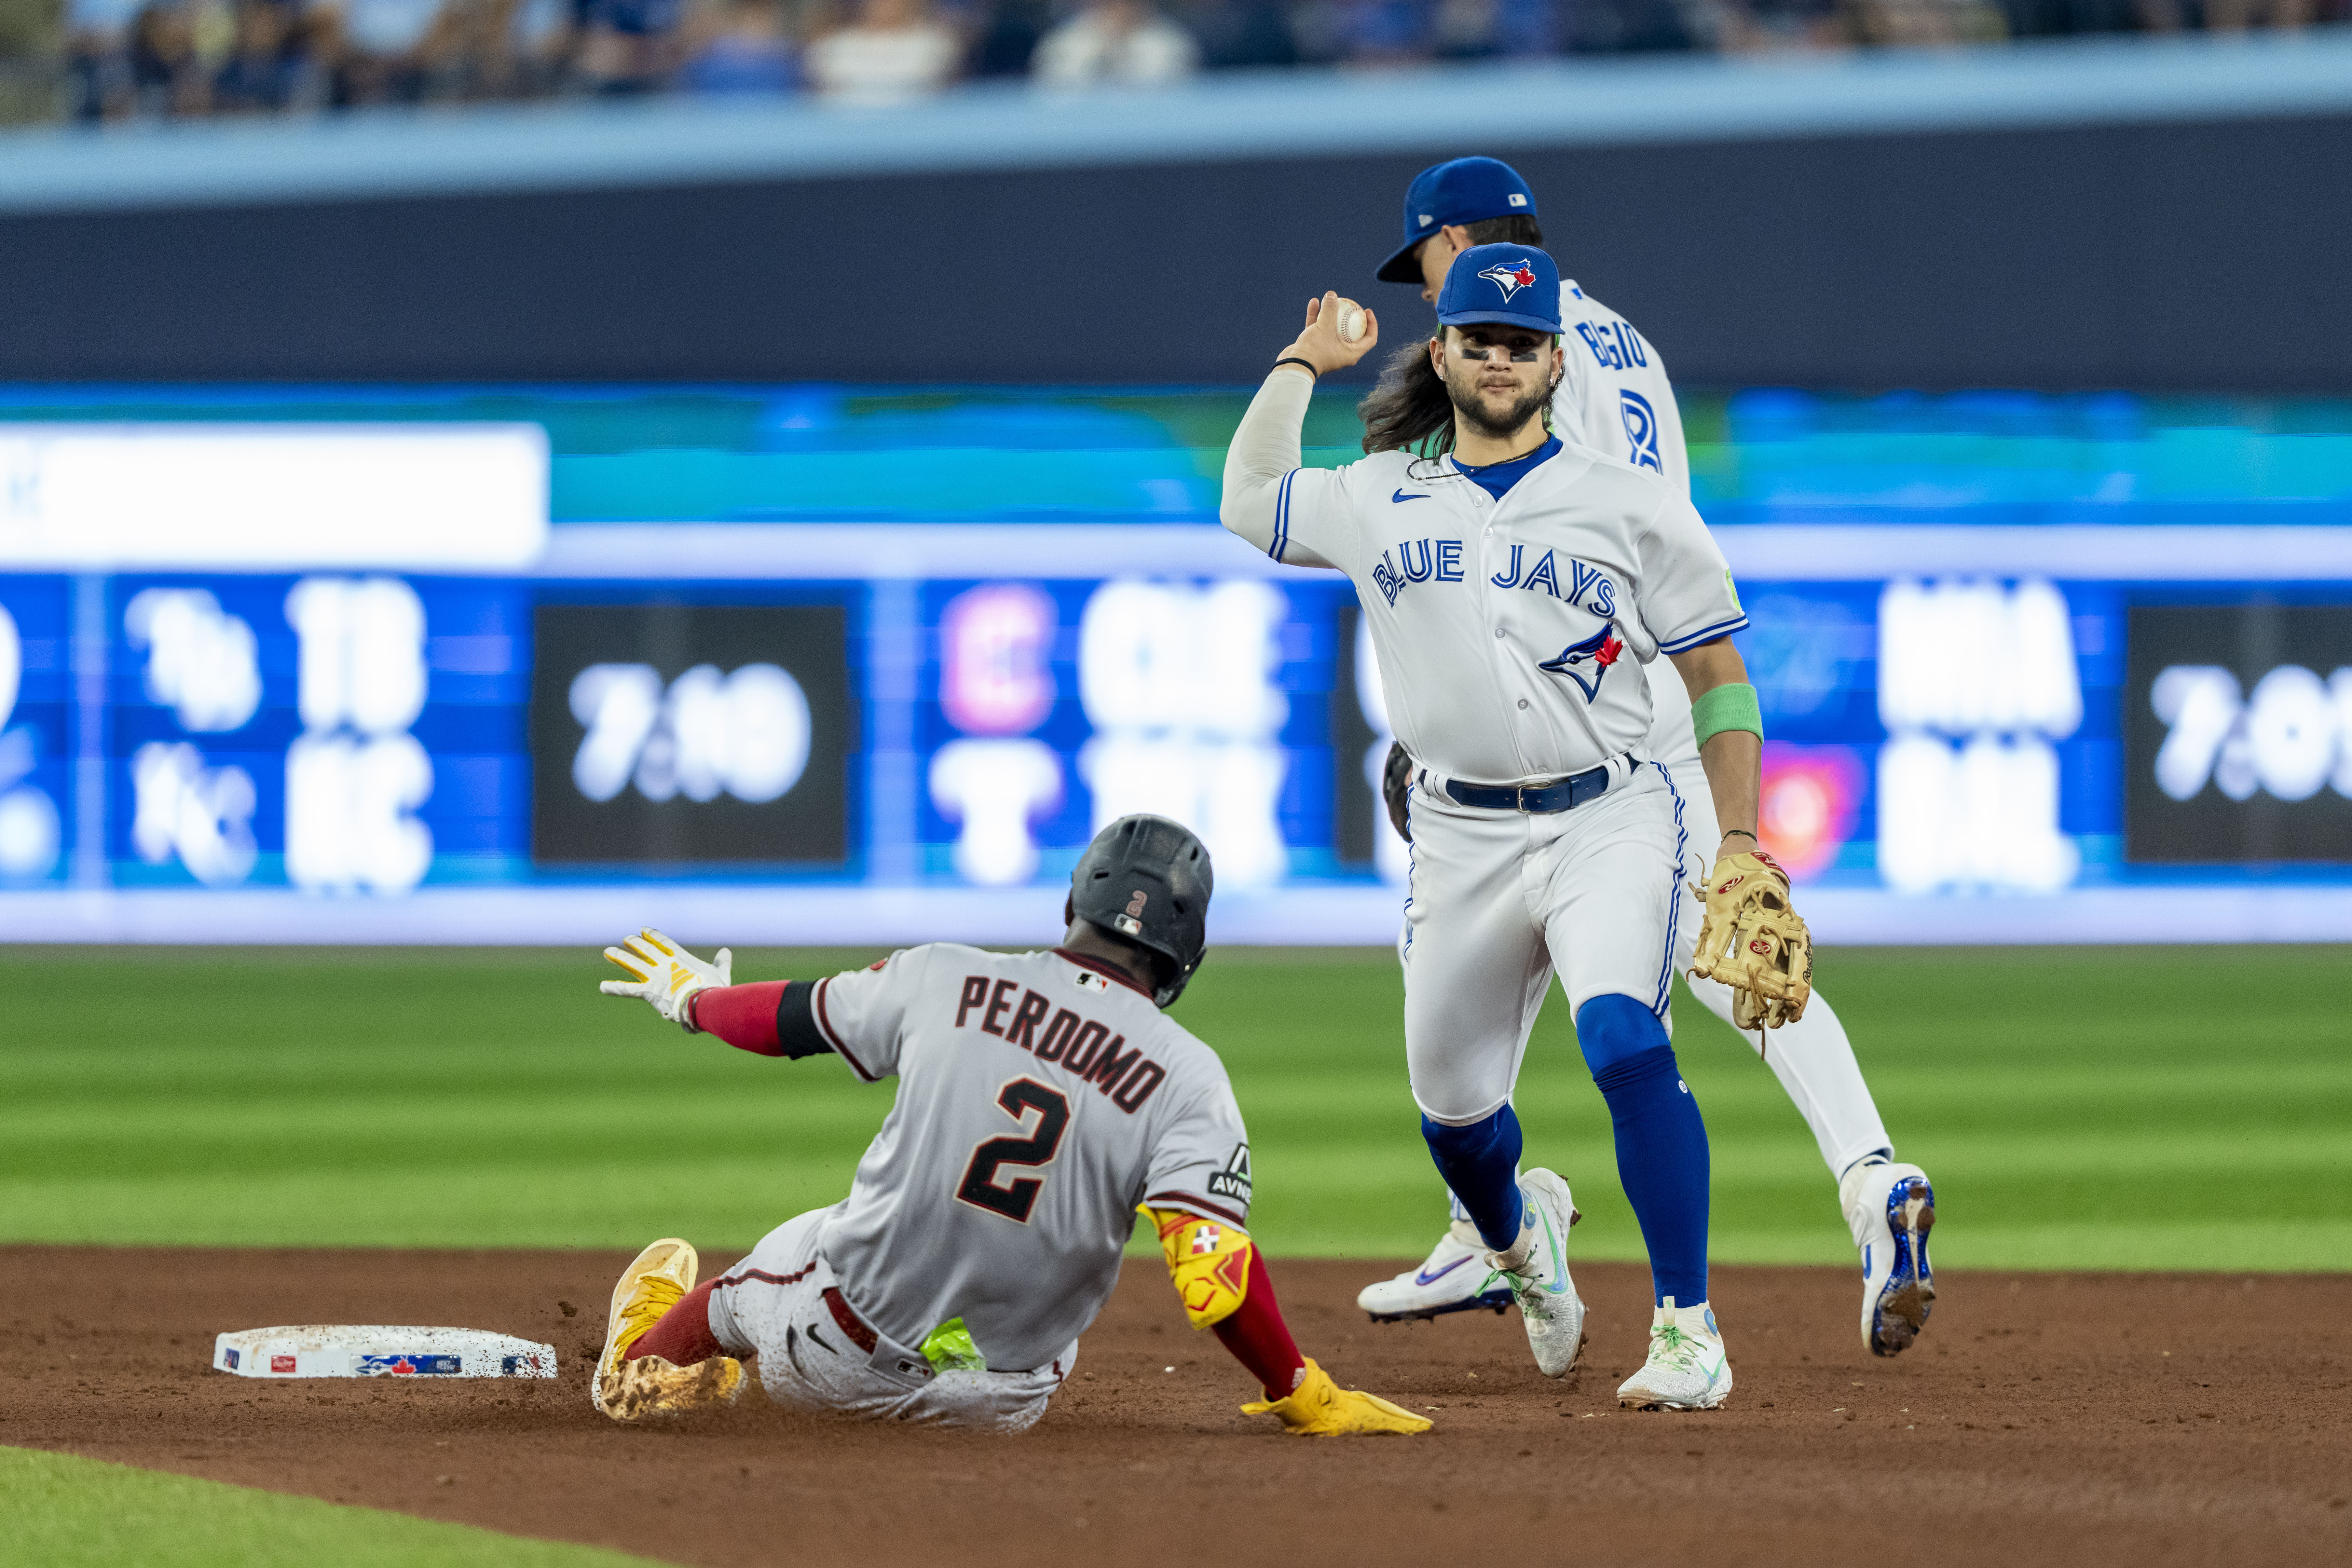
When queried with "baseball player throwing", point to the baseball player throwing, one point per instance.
{"points": [[1614, 396], [1514, 587], [1042, 1100]]}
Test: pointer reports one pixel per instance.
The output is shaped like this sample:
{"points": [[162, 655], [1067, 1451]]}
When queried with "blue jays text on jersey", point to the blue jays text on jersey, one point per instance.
{"points": [[1410, 561]]}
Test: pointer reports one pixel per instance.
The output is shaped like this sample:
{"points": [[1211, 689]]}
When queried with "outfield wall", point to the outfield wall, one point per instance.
{"points": [[2139, 213]]}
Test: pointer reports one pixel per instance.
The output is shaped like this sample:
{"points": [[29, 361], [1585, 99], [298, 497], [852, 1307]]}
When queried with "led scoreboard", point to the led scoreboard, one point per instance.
{"points": [[349, 683]]}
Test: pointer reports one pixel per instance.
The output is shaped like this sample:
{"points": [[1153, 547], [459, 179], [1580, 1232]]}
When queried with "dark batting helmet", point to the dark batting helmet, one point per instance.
{"points": [[1147, 880]]}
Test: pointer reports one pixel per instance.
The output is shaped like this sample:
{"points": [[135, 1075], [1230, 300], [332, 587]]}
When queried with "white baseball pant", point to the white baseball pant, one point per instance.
{"points": [[773, 1305], [1500, 899]]}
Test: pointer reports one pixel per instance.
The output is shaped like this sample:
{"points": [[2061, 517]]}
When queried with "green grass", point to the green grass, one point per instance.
{"points": [[2122, 1108], [63, 1511]]}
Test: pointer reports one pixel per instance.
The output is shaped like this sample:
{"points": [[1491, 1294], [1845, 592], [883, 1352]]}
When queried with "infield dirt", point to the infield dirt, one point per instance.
{"points": [[2083, 1419]]}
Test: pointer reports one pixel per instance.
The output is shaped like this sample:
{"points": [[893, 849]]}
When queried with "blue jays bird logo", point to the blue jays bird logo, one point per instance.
{"points": [[1510, 279], [1600, 650]]}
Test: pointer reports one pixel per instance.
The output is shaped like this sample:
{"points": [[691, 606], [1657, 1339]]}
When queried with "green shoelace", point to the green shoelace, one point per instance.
{"points": [[1676, 1349]]}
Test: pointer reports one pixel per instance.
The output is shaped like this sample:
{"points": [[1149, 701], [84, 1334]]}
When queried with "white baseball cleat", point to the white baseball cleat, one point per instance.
{"points": [[1453, 1279], [1535, 1269], [1687, 1369], [1891, 1209]]}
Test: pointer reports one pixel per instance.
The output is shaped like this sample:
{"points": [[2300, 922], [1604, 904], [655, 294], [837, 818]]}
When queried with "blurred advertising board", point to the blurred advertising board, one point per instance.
{"points": [[2135, 725]]}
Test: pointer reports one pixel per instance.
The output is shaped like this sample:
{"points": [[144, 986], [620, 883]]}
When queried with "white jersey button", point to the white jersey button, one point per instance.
{"points": [[1522, 703], [1499, 633]]}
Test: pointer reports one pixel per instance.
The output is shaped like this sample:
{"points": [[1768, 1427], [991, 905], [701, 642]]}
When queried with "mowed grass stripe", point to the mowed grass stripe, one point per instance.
{"points": [[63, 1511], [2120, 1107]]}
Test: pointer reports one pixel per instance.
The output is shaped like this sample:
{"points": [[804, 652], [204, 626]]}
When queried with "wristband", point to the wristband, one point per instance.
{"points": [[1732, 706], [1303, 364]]}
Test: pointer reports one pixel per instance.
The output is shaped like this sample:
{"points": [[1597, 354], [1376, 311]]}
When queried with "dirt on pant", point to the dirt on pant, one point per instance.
{"points": [[2071, 1419]]}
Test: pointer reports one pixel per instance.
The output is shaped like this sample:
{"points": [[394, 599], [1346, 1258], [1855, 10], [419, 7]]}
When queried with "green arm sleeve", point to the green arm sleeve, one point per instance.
{"points": [[1732, 706]]}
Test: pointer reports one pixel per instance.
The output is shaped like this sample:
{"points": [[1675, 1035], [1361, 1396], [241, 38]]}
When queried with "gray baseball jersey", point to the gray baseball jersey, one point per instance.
{"points": [[1041, 1097]]}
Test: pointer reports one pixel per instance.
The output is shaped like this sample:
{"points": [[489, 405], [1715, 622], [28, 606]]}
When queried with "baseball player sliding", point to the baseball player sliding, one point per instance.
{"points": [[1514, 587], [1613, 398], [1042, 1100]]}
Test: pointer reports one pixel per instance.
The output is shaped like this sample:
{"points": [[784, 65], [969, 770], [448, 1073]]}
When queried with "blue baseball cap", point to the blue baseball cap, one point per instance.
{"points": [[1516, 285], [1463, 191]]}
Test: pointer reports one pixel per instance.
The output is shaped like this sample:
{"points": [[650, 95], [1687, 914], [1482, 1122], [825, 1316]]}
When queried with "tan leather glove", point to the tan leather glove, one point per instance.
{"points": [[1753, 941]]}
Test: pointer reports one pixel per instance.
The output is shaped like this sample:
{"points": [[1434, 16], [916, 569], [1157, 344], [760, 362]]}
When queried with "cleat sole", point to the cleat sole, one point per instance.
{"points": [[1909, 1294], [1496, 1301]]}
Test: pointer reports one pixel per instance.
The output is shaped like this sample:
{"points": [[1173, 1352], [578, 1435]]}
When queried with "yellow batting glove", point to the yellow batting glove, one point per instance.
{"points": [[665, 975], [1318, 1408]]}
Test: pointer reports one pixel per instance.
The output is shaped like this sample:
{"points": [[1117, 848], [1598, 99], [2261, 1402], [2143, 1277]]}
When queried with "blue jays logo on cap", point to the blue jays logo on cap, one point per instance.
{"points": [[1515, 285], [1462, 190], [1510, 277]]}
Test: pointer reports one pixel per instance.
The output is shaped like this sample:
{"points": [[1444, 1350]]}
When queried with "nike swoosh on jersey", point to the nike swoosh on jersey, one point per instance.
{"points": [[1414, 495], [1423, 1276]]}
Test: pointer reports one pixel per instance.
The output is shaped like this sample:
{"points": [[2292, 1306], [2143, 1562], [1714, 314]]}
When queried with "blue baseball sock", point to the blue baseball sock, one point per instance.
{"points": [[1661, 1157], [1480, 1163]]}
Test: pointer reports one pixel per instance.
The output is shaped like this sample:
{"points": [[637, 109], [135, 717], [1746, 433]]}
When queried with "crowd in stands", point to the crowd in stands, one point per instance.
{"points": [[117, 60]]}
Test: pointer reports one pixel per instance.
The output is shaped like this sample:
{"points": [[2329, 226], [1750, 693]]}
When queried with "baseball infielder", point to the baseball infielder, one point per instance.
{"points": [[1513, 585], [1042, 1100], [1614, 398]]}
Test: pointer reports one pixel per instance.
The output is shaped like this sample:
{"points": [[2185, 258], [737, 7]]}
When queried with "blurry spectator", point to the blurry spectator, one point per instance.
{"points": [[629, 47], [893, 52], [1475, 30], [96, 76], [1125, 42], [263, 62], [2235, 16], [383, 51], [1899, 22], [1242, 33], [166, 76], [539, 34], [1010, 39], [739, 47], [1385, 31]]}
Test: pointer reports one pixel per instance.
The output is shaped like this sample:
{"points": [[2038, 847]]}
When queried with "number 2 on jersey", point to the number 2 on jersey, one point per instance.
{"points": [[1015, 1198]]}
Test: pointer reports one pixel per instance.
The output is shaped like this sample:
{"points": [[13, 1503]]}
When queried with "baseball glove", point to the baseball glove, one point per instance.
{"points": [[1753, 941], [1396, 783]]}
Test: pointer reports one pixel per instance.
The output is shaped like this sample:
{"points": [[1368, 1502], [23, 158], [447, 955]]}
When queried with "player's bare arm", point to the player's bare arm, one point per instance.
{"points": [[1733, 758], [1751, 938]]}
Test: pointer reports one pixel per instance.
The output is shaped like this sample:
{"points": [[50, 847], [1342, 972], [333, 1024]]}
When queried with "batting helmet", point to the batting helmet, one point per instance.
{"points": [[1146, 879]]}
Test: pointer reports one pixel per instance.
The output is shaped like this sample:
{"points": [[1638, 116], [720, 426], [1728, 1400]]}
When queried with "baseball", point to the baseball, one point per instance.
{"points": [[1349, 323]]}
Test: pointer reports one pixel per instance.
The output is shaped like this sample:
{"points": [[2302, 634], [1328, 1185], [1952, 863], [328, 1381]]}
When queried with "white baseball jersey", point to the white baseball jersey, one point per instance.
{"points": [[1614, 396], [1509, 633], [1040, 1100]]}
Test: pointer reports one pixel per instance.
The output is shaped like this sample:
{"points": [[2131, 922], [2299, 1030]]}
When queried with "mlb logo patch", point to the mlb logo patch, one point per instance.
{"points": [[232, 1358], [278, 1362], [1517, 200]]}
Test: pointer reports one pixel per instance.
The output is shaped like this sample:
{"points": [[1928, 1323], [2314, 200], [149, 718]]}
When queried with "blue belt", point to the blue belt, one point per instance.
{"points": [[1560, 795]]}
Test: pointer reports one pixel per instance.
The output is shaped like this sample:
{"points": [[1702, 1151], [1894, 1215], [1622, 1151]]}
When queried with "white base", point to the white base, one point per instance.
{"points": [[379, 1350]]}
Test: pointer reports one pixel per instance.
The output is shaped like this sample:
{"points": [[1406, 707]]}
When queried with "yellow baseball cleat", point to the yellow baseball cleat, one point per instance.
{"points": [[633, 1390], [1318, 1408]]}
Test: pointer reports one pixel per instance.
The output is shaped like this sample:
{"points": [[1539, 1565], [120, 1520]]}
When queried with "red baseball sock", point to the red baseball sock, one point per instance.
{"points": [[683, 1336], [1259, 1338]]}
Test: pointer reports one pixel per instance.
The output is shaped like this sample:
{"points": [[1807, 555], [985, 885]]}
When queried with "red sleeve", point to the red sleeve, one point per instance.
{"points": [[1258, 1337], [742, 1015]]}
